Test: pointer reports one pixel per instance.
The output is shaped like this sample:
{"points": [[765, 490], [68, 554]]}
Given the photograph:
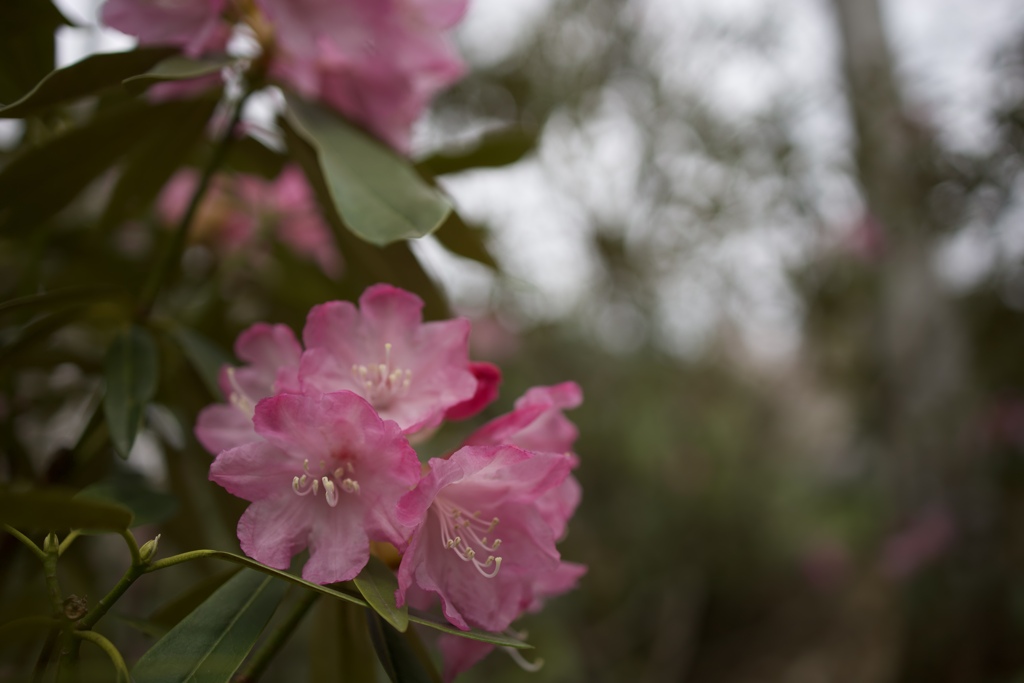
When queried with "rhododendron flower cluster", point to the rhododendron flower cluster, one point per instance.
{"points": [[318, 440], [379, 62], [239, 208]]}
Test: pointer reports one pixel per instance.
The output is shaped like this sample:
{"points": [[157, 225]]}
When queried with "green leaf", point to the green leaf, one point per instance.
{"points": [[26, 44], [127, 487], [86, 77], [210, 644], [131, 373], [366, 264], [205, 356], [422, 619], [339, 644], [465, 240], [498, 148], [399, 659], [168, 615], [57, 298], [59, 509], [175, 68], [41, 180], [157, 154], [378, 584], [378, 194]]}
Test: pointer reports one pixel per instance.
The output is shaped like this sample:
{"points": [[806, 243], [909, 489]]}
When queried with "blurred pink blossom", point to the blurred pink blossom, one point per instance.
{"points": [[925, 538]]}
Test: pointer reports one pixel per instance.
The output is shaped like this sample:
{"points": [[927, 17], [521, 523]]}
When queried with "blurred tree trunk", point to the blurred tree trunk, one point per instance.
{"points": [[921, 356]]}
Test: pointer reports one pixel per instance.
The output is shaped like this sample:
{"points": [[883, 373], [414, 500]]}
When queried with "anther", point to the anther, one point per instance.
{"points": [[350, 485], [330, 492]]}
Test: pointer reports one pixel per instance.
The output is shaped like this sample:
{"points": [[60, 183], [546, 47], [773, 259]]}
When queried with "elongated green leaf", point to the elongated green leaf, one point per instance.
{"points": [[465, 240], [174, 68], [158, 153], [168, 615], [40, 181], [416, 618], [205, 356], [58, 298], [396, 655], [498, 148], [130, 489], [210, 644], [90, 75], [378, 584], [58, 509], [131, 374], [340, 648], [378, 194]]}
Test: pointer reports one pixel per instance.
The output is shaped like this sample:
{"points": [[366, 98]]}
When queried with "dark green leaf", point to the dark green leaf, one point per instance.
{"points": [[131, 373], [378, 584], [57, 509], [340, 648], [168, 615], [154, 159], [465, 240], [378, 194], [494, 638], [128, 488], [398, 658], [249, 155], [26, 44], [42, 180], [366, 264], [205, 356], [210, 644], [175, 68], [58, 298], [87, 77], [498, 148]]}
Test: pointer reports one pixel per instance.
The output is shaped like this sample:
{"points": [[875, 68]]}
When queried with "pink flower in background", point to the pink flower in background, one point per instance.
{"points": [[236, 207], [325, 474], [197, 26], [410, 371], [272, 353], [923, 540], [479, 542], [378, 62]]}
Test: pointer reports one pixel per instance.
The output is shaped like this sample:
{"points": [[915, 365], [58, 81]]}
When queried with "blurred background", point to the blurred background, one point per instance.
{"points": [[780, 245]]}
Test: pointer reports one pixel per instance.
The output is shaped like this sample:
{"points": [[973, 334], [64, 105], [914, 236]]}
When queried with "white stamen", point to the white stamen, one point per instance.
{"points": [[238, 397], [382, 382], [350, 485], [517, 657], [330, 492], [468, 542]]}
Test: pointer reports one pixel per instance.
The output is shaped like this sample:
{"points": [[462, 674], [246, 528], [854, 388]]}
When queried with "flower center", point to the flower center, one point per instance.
{"points": [[331, 482], [466, 535], [382, 382]]}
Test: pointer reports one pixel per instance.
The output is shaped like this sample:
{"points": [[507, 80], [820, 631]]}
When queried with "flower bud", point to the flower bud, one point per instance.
{"points": [[148, 550], [51, 545]]}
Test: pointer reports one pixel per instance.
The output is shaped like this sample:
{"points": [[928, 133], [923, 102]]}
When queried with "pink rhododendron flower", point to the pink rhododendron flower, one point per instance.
{"points": [[196, 26], [236, 207], [272, 353], [378, 62], [488, 377], [537, 424], [326, 473], [410, 371], [465, 509]]}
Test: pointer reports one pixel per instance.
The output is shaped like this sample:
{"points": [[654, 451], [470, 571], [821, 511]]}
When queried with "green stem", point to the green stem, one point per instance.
{"points": [[36, 550], [104, 605], [171, 256], [178, 559], [133, 547], [276, 640], [50, 572], [112, 652]]}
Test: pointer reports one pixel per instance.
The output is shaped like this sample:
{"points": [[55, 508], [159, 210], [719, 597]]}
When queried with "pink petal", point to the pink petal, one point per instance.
{"points": [[255, 471], [272, 531], [220, 427], [488, 377], [338, 545], [460, 654], [194, 25]]}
